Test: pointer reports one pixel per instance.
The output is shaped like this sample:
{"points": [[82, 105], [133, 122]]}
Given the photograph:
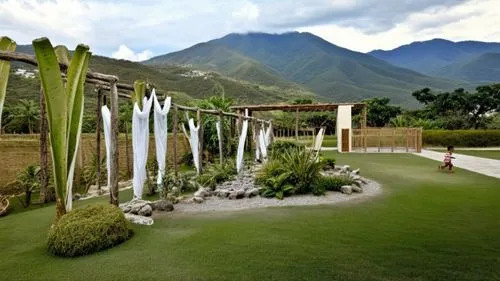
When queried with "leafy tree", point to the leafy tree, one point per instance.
{"points": [[29, 181], [380, 112], [24, 116]]}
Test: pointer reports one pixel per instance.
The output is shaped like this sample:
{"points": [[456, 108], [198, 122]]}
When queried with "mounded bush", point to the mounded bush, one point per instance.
{"points": [[278, 148], [461, 138], [88, 230]]}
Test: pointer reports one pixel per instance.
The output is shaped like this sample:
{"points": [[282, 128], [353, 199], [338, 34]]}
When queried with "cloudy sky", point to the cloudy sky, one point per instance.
{"points": [[137, 30]]}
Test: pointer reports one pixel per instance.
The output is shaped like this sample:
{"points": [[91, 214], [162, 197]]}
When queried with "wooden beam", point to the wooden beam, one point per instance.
{"points": [[221, 150], [114, 171], [176, 121], [200, 139], [293, 107]]}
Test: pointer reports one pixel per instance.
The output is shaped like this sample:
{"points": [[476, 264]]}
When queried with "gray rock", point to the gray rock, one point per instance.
{"points": [[234, 195], [345, 168], [346, 189], [146, 210], [240, 193], [139, 219], [77, 196], [163, 205], [355, 176], [126, 208], [357, 189], [198, 200], [223, 193], [252, 192], [201, 193]]}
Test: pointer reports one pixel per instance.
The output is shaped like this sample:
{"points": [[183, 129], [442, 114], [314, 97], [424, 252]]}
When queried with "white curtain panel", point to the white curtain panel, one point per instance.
{"points": [[268, 134], [106, 120], [194, 142], [218, 126], [161, 134], [140, 143], [263, 144], [241, 144]]}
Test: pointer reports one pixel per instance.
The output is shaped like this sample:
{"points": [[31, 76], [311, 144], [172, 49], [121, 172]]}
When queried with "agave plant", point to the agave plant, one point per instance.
{"points": [[6, 44], [64, 112]]}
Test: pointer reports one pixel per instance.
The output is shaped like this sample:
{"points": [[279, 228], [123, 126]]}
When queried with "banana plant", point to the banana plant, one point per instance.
{"points": [[6, 44], [64, 112]]}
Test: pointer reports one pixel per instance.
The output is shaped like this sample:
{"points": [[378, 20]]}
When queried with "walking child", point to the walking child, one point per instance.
{"points": [[447, 159]]}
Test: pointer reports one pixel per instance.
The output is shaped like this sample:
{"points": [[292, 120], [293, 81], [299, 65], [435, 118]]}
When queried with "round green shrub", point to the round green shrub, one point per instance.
{"points": [[88, 230]]}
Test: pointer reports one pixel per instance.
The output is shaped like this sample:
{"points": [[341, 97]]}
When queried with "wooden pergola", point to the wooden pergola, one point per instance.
{"points": [[302, 108]]}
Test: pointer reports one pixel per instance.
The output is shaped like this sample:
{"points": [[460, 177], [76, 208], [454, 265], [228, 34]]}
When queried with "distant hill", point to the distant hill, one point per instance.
{"points": [[438, 56], [182, 83], [483, 69], [334, 73]]}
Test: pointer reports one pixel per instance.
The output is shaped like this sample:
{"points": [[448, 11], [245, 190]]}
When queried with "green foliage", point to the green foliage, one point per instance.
{"points": [[184, 182], [23, 117], [89, 175], [461, 138], [278, 186], [29, 181], [409, 121], [327, 162], [333, 183], [88, 230], [217, 173], [6, 44], [278, 148], [380, 112]]}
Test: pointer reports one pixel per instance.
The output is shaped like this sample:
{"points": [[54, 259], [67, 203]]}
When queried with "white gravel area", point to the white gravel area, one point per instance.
{"points": [[371, 189]]}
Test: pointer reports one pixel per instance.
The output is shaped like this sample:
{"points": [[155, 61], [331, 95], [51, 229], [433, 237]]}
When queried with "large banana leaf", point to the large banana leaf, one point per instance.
{"points": [[6, 44], [64, 108]]}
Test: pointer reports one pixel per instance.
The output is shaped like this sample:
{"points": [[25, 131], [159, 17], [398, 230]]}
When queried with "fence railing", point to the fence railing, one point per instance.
{"points": [[387, 140]]}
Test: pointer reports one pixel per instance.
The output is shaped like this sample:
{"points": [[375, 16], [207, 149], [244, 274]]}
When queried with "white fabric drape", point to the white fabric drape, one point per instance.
{"points": [[106, 120], [194, 142], [268, 134], [263, 145], [218, 126], [140, 143], [241, 144], [161, 133]]}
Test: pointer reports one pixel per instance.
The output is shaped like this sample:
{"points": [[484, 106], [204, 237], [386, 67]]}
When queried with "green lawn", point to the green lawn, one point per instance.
{"points": [[492, 154], [426, 226]]}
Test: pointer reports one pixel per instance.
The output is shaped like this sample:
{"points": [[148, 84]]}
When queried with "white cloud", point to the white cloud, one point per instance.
{"points": [[126, 53], [165, 26]]}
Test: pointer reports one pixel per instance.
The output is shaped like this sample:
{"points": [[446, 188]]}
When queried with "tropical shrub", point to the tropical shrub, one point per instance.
{"points": [[328, 162], [304, 168], [216, 174], [29, 181], [278, 148], [332, 183], [88, 230], [183, 182], [278, 186], [461, 138], [272, 168]]}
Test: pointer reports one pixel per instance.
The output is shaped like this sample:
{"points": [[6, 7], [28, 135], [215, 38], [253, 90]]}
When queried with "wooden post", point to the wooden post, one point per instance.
{"points": [[98, 139], [378, 139], [44, 163], [393, 139], [221, 151], [256, 127], [114, 149], [175, 127], [200, 138], [297, 124], [249, 142]]}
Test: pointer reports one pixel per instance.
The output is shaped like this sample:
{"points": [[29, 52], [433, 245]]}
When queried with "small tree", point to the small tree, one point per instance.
{"points": [[29, 181]]}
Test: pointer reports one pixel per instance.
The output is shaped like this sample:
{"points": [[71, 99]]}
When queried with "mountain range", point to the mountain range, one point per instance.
{"points": [[266, 68]]}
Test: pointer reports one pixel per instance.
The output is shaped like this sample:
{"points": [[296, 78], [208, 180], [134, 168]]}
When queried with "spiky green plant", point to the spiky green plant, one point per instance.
{"points": [[64, 112], [6, 44]]}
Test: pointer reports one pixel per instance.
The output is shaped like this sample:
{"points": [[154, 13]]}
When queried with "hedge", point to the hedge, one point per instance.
{"points": [[461, 138], [87, 230]]}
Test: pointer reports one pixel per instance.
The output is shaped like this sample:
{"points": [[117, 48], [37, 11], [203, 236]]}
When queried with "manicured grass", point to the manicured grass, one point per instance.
{"points": [[492, 154], [425, 226]]}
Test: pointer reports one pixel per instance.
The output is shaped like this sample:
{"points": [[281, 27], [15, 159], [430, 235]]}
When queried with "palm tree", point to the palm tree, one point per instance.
{"points": [[29, 181], [25, 115], [125, 116]]}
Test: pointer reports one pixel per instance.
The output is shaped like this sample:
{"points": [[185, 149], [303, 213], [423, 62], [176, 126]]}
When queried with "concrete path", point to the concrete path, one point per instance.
{"points": [[489, 167]]}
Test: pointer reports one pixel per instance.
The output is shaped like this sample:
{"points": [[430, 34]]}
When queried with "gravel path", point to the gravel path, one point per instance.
{"points": [[217, 204], [489, 167]]}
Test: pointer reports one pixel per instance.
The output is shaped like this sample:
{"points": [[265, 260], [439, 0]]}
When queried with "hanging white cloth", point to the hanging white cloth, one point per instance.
{"points": [[268, 134], [140, 143], [263, 145], [161, 134], [218, 126], [241, 144], [194, 142], [257, 145], [106, 120]]}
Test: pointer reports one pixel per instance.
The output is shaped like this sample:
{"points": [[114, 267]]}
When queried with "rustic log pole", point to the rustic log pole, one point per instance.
{"points": [[200, 139], [221, 151], [44, 163], [249, 141], [114, 171], [297, 124], [175, 128], [98, 138]]}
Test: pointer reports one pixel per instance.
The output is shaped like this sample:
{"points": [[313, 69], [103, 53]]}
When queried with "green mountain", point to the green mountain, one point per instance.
{"points": [[182, 83], [483, 69], [332, 72], [437, 56]]}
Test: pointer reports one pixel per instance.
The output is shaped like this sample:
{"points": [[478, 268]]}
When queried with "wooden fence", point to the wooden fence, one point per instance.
{"points": [[387, 140]]}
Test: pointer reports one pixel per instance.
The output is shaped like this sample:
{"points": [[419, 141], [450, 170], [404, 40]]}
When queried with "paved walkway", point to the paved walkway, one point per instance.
{"points": [[489, 167]]}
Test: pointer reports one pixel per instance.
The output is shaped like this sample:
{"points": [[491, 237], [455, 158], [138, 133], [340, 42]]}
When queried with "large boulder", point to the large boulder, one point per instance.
{"points": [[346, 189], [162, 205], [146, 211], [252, 192], [233, 195], [357, 189], [198, 200], [240, 193], [201, 193]]}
